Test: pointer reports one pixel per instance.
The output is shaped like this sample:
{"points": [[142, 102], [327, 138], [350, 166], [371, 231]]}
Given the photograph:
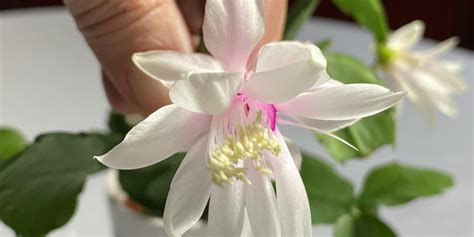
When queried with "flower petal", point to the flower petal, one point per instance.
{"points": [[292, 200], [226, 210], [295, 152], [327, 125], [260, 202], [440, 48], [345, 102], [406, 36], [168, 130], [231, 30], [284, 70], [279, 54], [172, 66], [209, 93], [283, 83], [189, 191]]}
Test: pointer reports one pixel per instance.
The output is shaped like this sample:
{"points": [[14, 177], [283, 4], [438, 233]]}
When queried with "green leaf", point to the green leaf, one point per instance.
{"points": [[12, 142], [118, 124], [361, 226], [330, 195], [149, 186], [369, 133], [368, 13], [395, 184], [324, 44], [39, 189], [347, 69], [298, 13]]}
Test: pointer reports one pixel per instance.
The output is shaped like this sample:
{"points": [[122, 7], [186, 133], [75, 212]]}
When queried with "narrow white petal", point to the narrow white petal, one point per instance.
{"points": [[282, 84], [407, 36], [260, 202], [295, 124], [246, 228], [443, 74], [279, 54], [345, 102], [172, 66], [327, 125], [440, 48], [169, 130], [189, 191], [418, 95], [292, 200], [295, 152], [226, 210], [231, 30], [209, 93]]}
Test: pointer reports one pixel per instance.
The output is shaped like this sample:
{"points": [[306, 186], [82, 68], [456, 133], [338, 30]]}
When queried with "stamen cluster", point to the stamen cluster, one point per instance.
{"points": [[248, 143]]}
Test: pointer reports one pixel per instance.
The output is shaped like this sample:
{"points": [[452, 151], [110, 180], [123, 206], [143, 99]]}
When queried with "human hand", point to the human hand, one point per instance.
{"points": [[115, 29]]}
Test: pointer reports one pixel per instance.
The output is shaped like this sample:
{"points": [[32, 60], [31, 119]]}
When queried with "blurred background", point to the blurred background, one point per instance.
{"points": [[444, 18]]}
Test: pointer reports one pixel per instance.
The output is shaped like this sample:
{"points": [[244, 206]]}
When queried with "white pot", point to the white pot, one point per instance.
{"points": [[128, 222]]}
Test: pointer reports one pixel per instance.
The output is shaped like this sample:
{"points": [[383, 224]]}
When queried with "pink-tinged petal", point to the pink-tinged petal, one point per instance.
{"points": [[209, 93], [345, 102], [279, 54], [406, 36], [165, 132], [189, 191], [284, 83], [285, 70], [226, 210], [260, 202], [172, 66], [231, 30], [292, 200]]}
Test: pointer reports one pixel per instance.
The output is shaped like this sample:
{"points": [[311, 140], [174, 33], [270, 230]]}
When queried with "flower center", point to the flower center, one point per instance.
{"points": [[247, 137]]}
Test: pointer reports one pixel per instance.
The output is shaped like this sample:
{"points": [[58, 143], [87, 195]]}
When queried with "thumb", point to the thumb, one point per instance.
{"points": [[114, 30]]}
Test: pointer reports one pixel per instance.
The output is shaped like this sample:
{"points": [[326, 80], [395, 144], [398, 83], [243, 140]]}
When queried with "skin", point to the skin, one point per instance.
{"points": [[115, 29]]}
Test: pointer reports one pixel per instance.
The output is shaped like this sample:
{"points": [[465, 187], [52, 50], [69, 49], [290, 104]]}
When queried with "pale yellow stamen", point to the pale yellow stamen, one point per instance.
{"points": [[248, 143]]}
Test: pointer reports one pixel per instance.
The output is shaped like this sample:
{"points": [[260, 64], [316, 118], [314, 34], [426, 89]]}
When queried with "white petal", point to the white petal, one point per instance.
{"points": [[292, 201], [246, 228], [440, 48], [189, 191], [301, 125], [444, 76], [406, 36], [327, 125], [209, 93], [428, 91], [168, 130], [345, 102], [172, 66], [279, 54], [295, 152], [283, 83], [418, 95], [226, 210], [261, 206], [231, 29]]}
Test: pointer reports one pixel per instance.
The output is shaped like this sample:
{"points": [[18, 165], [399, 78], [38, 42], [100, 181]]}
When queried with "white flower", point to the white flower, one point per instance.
{"points": [[224, 114], [428, 81]]}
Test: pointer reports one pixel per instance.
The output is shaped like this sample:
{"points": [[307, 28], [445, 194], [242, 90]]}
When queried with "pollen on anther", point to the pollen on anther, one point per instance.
{"points": [[249, 142]]}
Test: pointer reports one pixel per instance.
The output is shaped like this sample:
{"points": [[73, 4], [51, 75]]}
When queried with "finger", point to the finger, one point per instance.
{"points": [[115, 98], [115, 29], [275, 18]]}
